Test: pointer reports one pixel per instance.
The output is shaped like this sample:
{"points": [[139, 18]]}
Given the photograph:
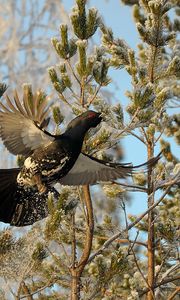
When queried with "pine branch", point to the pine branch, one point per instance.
{"points": [[163, 282], [130, 226]]}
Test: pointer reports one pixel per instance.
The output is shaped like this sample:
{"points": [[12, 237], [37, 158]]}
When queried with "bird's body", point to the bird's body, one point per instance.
{"points": [[46, 165], [48, 159]]}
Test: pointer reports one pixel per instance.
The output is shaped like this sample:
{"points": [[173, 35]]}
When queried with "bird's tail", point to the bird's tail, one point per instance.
{"points": [[8, 187], [21, 206]]}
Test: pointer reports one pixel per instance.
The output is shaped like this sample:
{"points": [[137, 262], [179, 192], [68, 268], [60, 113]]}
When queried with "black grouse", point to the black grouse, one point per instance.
{"points": [[48, 159]]}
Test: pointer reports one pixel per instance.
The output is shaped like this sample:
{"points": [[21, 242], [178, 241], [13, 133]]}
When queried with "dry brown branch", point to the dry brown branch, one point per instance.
{"points": [[90, 228], [77, 270], [123, 241], [23, 288], [94, 96], [73, 241], [177, 290], [26, 291]]}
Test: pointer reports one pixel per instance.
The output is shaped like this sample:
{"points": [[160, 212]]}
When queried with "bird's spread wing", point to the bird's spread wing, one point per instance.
{"points": [[18, 125], [89, 170]]}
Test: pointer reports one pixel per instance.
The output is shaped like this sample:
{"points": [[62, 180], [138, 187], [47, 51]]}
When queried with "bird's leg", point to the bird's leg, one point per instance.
{"points": [[38, 182]]}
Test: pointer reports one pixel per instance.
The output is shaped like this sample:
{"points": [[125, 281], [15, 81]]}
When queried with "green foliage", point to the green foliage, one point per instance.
{"points": [[66, 48], [58, 83], [39, 253], [116, 47], [57, 115], [84, 25], [58, 242], [81, 66], [100, 71]]}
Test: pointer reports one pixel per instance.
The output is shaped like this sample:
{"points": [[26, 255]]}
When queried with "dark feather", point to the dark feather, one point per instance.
{"points": [[90, 170]]}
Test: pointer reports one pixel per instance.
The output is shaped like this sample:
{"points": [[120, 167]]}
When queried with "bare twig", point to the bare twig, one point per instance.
{"points": [[174, 180], [72, 70], [139, 269], [165, 281], [65, 252], [57, 260], [73, 94], [162, 264], [133, 186], [73, 241], [157, 139], [177, 290], [124, 241], [136, 136], [145, 135], [48, 285], [170, 270], [133, 243], [126, 129], [61, 96], [27, 291], [128, 126], [94, 96]]}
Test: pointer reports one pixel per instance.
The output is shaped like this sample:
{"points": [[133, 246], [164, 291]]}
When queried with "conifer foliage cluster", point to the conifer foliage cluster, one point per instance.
{"points": [[83, 250]]}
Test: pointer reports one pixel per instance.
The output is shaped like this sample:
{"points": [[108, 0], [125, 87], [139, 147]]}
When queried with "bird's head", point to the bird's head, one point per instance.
{"points": [[78, 127], [86, 120]]}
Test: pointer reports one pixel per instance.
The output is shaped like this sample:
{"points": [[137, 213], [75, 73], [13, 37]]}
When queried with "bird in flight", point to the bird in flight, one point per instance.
{"points": [[49, 159]]}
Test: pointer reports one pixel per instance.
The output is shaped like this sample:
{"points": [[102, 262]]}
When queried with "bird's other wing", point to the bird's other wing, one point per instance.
{"points": [[90, 170], [19, 122]]}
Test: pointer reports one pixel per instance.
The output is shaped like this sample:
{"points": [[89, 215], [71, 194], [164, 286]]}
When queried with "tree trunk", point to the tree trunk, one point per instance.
{"points": [[78, 268], [151, 233], [75, 285]]}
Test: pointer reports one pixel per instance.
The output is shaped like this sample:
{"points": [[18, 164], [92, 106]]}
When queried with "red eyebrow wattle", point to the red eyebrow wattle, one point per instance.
{"points": [[91, 114]]}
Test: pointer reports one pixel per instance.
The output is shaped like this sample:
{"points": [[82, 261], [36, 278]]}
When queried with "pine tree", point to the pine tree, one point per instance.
{"points": [[24, 52], [82, 251]]}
